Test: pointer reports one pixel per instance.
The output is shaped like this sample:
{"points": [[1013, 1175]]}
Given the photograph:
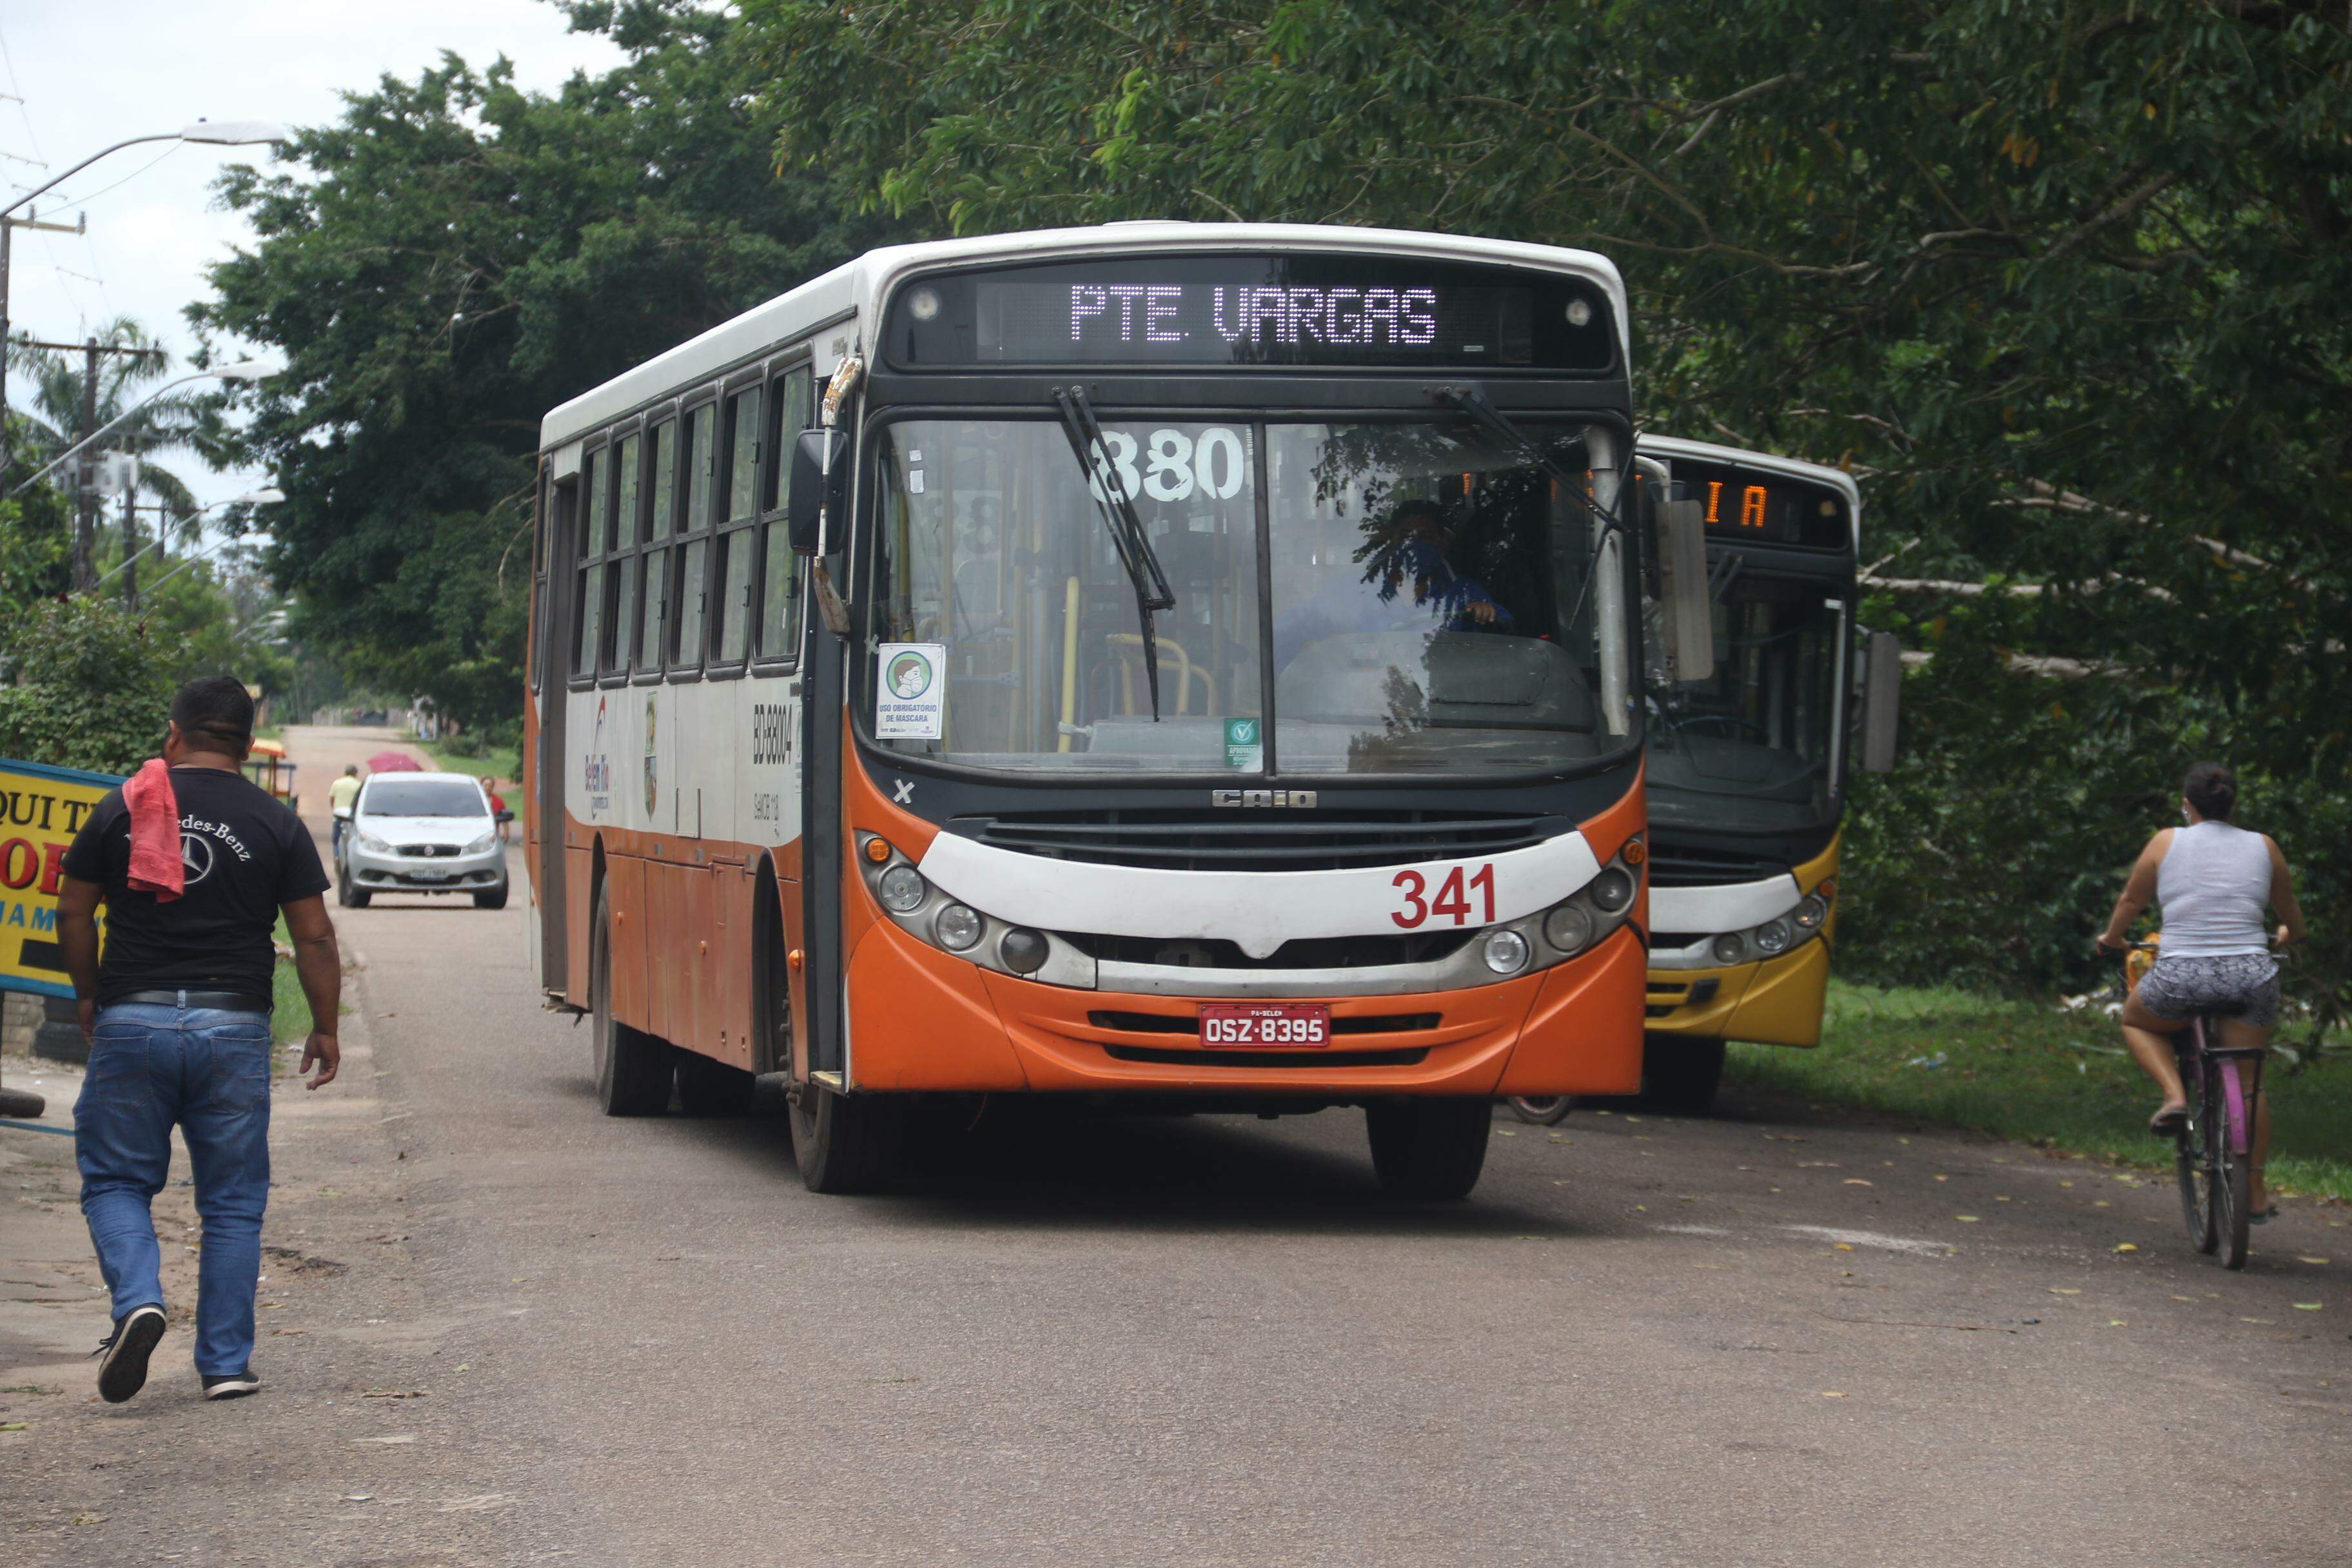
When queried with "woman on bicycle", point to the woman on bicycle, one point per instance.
{"points": [[2214, 882]]}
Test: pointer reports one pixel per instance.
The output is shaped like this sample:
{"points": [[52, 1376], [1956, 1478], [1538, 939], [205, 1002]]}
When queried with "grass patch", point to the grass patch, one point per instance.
{"points": [[494, 763], [2026, 1070], [290, 1014]]}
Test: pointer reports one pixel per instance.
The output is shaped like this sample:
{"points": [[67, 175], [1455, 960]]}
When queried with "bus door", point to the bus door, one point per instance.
{"points": [[548, 760]]}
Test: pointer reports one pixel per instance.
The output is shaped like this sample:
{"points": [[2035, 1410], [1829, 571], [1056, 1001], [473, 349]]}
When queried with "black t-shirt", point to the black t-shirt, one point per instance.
{"points": [[243, 853]]}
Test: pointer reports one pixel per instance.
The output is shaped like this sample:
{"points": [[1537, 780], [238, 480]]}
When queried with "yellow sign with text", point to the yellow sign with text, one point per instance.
{"points": [[41, 809]]}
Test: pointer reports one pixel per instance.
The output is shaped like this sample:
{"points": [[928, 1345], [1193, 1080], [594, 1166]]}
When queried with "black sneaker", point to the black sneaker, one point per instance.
{"points": [[231, 1385], [123, 1372]]}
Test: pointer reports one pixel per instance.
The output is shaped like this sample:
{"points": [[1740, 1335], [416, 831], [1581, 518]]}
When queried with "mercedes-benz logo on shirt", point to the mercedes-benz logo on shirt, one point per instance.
{"points": [[196, 859]]}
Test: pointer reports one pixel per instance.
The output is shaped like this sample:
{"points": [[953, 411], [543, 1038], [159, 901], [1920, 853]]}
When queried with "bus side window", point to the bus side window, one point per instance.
{"points": [[735, 542], [789, 413], [588, 603], [621, 571], [653, 600], [694, 527]]}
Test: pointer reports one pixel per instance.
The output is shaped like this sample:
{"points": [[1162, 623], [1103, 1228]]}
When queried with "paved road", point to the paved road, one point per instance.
{"points": [[1764, 1338]]}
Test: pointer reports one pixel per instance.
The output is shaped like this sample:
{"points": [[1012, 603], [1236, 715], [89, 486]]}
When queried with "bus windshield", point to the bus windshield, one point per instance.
{"points": [[1410, 597], [1753, 748]]}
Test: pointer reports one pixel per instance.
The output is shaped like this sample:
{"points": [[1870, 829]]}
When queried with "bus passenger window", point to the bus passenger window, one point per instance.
{"points": [[624, 569], [694, 521], [654, 605], [780, 588], [589, 606], [736, 545]]}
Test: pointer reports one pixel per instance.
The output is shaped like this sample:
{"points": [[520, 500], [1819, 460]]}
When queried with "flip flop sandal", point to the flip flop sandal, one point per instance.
{"points": [[2168, 1123]]}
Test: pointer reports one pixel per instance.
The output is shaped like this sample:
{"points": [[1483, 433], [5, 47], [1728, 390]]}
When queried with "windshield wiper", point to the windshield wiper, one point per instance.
{"points": [[1127, 534]]}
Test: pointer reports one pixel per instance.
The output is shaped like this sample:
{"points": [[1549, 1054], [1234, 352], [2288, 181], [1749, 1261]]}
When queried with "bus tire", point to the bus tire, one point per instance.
{"points": [[707, 1087], [1679, 1073], [847, 1142], [634, 1070], [1429, 1148]]}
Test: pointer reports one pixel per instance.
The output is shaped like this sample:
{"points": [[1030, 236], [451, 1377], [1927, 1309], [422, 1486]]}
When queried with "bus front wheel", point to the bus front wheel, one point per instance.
{"points": [[1429, 1148], [847, 1142]]}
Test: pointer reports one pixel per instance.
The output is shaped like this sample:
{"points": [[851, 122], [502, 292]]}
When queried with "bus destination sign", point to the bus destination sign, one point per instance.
{"points": [[1770, 508], [1301, 310]]}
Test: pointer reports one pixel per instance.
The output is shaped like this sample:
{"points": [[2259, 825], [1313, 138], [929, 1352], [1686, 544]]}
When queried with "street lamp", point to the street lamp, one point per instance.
{"points": [[266, 496], [221, 133], [243, 370]]}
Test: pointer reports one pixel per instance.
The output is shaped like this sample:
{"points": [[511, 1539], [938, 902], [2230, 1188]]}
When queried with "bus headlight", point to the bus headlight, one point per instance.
{"points": [[902, 888], [1729, 947], [958, 927], [1773, 936], [1507, 951], [1813, 912], [1024, 950], [1613, 890], [1569, 928]]}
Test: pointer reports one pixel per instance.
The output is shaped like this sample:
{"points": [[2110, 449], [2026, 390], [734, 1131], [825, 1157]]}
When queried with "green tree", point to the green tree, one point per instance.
{"points": [[447, 263], [91, 685], [2065, 281]]}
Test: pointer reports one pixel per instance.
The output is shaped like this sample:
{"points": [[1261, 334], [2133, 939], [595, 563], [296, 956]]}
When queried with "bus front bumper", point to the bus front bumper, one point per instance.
{"points": [[1773, 1002], [920, 1019]]}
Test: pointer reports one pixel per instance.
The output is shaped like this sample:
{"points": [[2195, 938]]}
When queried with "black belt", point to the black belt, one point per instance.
{"points": [[218, 1001]]}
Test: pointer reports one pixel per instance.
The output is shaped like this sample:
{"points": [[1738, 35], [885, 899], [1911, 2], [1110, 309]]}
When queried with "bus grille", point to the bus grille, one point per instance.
{"points": [[1371, 951], [1673, 867], [1235, 841]]}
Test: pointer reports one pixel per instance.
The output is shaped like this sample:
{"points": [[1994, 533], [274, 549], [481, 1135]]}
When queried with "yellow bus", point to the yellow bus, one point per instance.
{"points": [[1748, 767]]}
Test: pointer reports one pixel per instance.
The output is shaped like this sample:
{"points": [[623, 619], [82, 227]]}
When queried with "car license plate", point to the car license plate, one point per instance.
{"points": [[430, 876], [1226, 1025]]}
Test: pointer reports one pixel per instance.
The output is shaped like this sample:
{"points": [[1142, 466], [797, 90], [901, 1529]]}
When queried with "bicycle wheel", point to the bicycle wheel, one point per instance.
{"points": [[2192, 1155], [2232, 1171]]}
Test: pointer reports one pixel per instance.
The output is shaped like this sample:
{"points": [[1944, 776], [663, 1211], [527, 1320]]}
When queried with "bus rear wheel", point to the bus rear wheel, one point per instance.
{"points": [[707, 1087], [634, 1070], [1429, 1148], [847, 1142], [1679, 1073]]}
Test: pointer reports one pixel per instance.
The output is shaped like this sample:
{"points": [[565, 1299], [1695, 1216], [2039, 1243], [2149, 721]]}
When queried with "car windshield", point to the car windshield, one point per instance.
{"points": [[1753, 748], [1408, 596], [425, 797]]}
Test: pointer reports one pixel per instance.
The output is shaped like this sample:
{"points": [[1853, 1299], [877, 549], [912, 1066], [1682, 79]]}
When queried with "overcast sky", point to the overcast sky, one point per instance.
{"points": [[91, 75]]}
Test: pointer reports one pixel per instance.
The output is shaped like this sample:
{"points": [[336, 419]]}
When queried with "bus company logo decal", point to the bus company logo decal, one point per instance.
{"points": [[596, 767], [653, 768], [1253, 799]]}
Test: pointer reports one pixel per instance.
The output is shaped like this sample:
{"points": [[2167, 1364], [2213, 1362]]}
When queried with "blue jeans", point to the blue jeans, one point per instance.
{"points": [[207, 1071]]}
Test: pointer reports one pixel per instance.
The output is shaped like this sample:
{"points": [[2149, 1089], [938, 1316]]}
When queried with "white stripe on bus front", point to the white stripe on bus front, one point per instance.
{"points": [[1257, 911], [1729, 906]]}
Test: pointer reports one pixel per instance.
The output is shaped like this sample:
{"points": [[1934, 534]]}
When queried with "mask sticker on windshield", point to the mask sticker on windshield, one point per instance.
{"points": [[910, 700]]}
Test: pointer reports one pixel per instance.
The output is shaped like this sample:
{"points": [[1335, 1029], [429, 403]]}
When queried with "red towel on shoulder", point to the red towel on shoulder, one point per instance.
{"points": [[155, 864]]}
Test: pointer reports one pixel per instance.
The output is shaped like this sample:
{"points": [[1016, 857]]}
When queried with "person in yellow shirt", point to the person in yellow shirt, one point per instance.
{"points": [[339, 795]]}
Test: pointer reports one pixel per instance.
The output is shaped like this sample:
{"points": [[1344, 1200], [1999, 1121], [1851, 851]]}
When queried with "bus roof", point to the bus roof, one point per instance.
{"points": [[852, 289], [1673, 447]]}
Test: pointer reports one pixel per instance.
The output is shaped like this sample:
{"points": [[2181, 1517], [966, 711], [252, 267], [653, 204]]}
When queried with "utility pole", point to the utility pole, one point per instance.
{"points": [[131, 530], [8, 225], [85, 570]]}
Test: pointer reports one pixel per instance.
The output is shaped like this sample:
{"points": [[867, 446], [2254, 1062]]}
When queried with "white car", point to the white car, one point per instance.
{"points": [[422, 833]]}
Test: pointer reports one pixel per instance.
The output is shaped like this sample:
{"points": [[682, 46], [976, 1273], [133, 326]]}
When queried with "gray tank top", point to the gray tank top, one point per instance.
{"points": [[2214, 885]]}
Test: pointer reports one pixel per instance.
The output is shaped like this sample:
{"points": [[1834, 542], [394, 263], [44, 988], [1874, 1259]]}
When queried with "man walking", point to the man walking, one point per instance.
{"points": [[194, 863], [339, 797]]}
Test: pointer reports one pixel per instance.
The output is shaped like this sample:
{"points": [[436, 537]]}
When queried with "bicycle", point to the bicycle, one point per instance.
{"points": [[2213, 1147]]}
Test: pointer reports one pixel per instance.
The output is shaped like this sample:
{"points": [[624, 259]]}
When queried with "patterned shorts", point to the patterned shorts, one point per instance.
{"points": [[2242, 986]]}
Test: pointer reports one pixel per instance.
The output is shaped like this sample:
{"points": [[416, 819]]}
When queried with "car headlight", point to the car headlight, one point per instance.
{"points": [[374, 846], [485, 842], [902, 888], [958, 927]]}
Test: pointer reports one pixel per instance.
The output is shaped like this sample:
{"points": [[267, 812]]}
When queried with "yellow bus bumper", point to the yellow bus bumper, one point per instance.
{"points": [[1772, 1002]]}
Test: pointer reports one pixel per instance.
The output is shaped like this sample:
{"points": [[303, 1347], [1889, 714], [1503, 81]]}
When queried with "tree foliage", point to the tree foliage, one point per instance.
{"points": [[92, 685], [450, 260], [2066, 282]]}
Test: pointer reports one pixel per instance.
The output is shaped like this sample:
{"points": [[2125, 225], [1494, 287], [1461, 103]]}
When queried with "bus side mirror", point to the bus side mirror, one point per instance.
{"points": [[820, 484], [1681, 584], [1882, 690]]}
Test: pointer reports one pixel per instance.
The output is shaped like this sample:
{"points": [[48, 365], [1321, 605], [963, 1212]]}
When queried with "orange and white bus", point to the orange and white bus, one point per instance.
{"points": [[1190, 661]]}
